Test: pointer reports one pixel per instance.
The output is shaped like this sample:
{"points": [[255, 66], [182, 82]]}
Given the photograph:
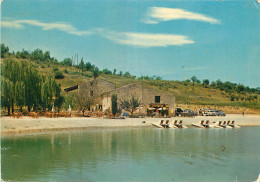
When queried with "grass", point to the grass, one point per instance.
{"points": [[185, 93]]}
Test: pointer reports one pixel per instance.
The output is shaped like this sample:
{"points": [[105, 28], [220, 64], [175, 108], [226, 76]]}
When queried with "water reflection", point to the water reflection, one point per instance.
{"points": [[113, 154]]}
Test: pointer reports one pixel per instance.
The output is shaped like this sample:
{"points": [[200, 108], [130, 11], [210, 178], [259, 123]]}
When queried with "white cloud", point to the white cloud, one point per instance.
{"points": [[11, 24], [157, 14], [147, 40], [125, 38], [65, 27]]}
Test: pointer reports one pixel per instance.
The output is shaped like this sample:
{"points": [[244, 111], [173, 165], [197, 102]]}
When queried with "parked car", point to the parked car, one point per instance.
{"points": [[220, 113], [178, 112], [210, 113], [188, 112]]}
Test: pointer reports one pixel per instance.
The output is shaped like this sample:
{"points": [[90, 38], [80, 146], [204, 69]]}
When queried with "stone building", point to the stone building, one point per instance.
{"points": [[95, 88], [153, 101]]}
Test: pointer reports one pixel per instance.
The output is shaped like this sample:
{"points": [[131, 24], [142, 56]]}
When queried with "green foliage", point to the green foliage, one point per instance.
{"points": [[67, 62], [106, 71], [83, 102], [193, 79], [7, 93], [149, 78], [114, 72], [95, 72], [114, 104], [66, 71], [55, 69], [205, 83], [88, 66], [22, 85], [4, 50], [127, 74], [130, 104], [59, 75]]}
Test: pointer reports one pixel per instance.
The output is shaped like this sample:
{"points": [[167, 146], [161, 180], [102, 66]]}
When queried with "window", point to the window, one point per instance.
{"points": [[157, 99], [91, 93]]}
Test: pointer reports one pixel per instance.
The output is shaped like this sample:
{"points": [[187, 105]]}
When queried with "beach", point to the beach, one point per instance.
{"points": [[11, 125]]}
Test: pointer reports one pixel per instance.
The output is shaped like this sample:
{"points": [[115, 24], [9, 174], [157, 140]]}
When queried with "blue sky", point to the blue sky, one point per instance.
{"points": [[174, 39]]}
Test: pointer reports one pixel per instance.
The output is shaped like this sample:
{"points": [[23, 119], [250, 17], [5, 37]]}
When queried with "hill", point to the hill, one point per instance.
{"points": [[192, 93]]}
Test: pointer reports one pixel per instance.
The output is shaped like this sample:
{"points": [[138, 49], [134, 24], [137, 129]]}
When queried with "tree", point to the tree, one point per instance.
{"points": [[58, 98], [106, 71], [24, 54], [232, 97], [120, 73], [37, 54], [59, 75], [67, 62], [194, 79], [205, 82], [83, 102], [127, 74], [20, 94], [130, 104], [114, 72], [81, 65], [213, 84], [114, 104], [7, 93], [95, 72], [47, 56], [88, 66], [4, 50]]}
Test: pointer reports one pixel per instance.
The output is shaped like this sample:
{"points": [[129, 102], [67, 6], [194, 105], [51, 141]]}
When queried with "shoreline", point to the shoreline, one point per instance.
{"points": [[10, 125]]}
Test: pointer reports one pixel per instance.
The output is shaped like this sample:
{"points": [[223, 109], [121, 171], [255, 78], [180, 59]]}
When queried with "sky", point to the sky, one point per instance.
{"points": [[211, 39]]}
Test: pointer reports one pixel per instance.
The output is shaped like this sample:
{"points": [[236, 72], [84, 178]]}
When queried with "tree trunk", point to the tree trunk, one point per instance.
{"points": [[12, 106], [21, 109], [8, 109]]}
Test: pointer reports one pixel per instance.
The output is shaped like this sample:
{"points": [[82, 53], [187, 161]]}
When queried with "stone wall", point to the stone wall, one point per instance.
{"points": [[95, 88], [145, 95]]}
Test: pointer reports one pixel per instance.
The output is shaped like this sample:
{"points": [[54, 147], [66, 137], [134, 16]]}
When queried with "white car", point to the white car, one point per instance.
{"points": [[211, 113]]}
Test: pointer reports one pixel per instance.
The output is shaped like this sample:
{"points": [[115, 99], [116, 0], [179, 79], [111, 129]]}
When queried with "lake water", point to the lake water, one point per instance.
{"points": [[135, 154]]}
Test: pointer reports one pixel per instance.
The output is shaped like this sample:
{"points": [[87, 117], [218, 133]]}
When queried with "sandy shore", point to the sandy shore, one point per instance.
{"points": [[25, 124]]}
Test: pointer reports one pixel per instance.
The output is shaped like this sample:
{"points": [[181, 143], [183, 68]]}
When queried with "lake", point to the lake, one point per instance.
{"points": [[133, 154]]}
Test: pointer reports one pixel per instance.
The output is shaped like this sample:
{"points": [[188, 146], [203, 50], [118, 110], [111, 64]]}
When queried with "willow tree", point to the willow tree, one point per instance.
{"points": [[23, 85], [7, 94], [19, 94]]}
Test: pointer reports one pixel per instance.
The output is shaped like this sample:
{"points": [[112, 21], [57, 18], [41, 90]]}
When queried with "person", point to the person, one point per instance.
{"points": [[243, 113]]}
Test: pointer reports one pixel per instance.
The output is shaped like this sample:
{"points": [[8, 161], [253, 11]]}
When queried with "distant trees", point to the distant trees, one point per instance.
{"points": [[205, 82], [67, 62], [4, 50], [22, 85], [106, 71], [114, 72], [149, 78], [95, 72], [130, 104], [195, 80]]}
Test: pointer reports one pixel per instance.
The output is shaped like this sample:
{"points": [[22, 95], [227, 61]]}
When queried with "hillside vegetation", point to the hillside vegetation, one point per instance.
{"points": [[191, 93]]}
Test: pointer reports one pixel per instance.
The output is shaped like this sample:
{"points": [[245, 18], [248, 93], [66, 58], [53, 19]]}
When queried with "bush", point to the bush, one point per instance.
{"points": [[55, 69], [66, 71], [59, 75], [42, 66]]}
